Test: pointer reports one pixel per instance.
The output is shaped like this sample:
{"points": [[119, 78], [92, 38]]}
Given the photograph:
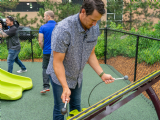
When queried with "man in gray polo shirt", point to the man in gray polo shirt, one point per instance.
{"points": [[73, 43], [13, 45]]}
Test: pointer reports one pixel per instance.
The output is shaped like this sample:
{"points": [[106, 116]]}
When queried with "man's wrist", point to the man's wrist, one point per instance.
{"points": [[65, 86], [101, 74]]}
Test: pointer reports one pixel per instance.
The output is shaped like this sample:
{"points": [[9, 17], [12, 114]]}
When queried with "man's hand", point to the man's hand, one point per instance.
{"points": [[2, 34], [0, 26], [65, 95], [107, 78]]}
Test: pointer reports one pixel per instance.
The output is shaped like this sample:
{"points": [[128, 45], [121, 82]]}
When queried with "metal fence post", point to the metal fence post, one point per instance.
{"points": [[31, 45], [135, 68], [154, 98], [105, 45]]}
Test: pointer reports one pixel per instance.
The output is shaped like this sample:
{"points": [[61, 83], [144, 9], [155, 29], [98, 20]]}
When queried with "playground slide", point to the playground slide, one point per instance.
{"points": [[9, 91], [12, 86]]}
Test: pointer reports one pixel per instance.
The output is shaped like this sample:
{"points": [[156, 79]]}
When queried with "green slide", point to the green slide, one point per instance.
{"points": [[11, 85]]}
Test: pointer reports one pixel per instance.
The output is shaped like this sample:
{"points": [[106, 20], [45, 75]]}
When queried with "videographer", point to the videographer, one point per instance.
{"points": [[13, 45]]}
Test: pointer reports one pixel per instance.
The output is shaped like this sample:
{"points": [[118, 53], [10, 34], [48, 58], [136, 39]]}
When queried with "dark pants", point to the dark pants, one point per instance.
{"points": [[75, 100], [44, 66]]}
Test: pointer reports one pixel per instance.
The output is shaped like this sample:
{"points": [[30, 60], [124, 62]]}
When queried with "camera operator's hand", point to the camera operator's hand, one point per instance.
{"points": [[2, 33], [0, 26]]}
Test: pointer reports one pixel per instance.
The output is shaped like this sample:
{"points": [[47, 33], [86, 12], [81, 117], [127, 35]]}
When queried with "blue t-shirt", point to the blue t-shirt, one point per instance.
{"points": [[46, 30]]}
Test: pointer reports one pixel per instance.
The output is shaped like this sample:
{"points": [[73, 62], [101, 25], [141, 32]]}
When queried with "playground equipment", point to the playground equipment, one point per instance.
{"points": [[108, 105], [12, 86], [64, 110]]}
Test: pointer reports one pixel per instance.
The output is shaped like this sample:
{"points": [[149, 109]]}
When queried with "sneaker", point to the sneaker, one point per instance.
{"points": [[20, 71], [45, 90]]}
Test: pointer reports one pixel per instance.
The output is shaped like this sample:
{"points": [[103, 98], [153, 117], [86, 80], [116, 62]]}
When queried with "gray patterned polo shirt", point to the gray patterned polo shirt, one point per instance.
{"points": [[70, 38]]}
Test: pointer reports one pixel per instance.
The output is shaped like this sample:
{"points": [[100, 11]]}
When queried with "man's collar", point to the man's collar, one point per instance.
{"points": [[80, 27], [51, 21]]}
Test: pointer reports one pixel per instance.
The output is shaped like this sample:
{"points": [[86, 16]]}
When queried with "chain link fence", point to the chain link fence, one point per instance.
{"points": [[133, 55], [29, 46], [130, 54]]}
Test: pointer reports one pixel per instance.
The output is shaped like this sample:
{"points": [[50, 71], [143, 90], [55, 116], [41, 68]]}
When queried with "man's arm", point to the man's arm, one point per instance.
{"points": [[93, 62], [11, 32], [3, 34], [60, 73], [40, 39]]}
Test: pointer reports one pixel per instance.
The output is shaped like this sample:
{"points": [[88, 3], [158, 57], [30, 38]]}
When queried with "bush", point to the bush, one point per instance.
{"points": [[118, 44], [25, 52], [99, 48], [148, 50], [3, 51]]}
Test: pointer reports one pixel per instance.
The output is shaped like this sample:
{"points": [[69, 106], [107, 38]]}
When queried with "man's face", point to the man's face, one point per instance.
{"points": [[8, 22], [46, 18], [90, 20]]}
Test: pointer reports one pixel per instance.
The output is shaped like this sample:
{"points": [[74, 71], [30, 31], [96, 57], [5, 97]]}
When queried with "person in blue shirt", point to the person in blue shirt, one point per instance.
{"points": [[44, 38]]}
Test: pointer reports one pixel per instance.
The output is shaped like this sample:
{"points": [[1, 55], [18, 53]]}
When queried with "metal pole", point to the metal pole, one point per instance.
{"points": [[105, 45], [135, 68], [155, 100], [31, 45]]}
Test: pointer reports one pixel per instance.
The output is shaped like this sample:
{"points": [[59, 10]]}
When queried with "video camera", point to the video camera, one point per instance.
{"points": [[4, 26], [3, 22]]}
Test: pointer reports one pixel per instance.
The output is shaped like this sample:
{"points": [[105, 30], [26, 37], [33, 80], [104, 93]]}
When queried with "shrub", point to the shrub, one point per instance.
{"points": [[25, 52], [119, 44]]}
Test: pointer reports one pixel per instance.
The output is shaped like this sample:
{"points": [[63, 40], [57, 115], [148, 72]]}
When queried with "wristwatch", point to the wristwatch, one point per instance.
{"points": [[101, 74]]}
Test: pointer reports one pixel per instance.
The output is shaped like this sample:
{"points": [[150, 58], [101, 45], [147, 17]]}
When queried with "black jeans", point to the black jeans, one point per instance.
{"points": [[44, 66]]}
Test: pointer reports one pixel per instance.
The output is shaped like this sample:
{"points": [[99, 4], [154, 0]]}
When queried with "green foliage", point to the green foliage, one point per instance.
{"points": [[25, 52], [37, 50], [102, 24], [113, 25], [132, 12], [11, 4], [99, 48], [23, 20], [1, 15], [149, 55], [61, 10], [3, 50], [157, 26], [120, 44]]}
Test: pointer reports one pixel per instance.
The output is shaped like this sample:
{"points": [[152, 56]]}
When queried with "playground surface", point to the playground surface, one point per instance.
{"points": [[34, 106]]}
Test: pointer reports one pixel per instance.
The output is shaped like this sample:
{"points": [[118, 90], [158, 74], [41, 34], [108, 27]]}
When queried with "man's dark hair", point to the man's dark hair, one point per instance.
{"points": [[91, 5], [11, 18]]}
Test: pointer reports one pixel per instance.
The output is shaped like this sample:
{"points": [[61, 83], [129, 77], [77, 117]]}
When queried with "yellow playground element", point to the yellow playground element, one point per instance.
{"points": [[12, 86], [74, 112]]}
